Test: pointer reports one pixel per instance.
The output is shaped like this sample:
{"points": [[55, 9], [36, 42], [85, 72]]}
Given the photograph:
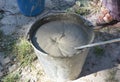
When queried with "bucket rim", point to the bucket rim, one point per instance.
{"points": [[54, 14]]}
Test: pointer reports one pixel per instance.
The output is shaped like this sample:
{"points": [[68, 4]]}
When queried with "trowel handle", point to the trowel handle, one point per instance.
{"points": [[97, 44]]}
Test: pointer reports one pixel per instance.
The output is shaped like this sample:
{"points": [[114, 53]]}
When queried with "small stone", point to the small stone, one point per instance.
{"points": [[1, 68], [93, 64], [1, 74], [78, 3], [118, 60], [1, 16], [32, 80], [117, 76], [15, 60], [62, 4], [2, 3], [95, 74], [12, 68], [11, 6], [70, 2], [23, 20], [1, 57], [6, 61], [49, 4], [8, 29], [118, 66], [9, 20]]}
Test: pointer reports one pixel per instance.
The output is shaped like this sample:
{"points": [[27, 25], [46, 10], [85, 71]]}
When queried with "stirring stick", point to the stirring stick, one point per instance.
{"points": [[97, 44]]}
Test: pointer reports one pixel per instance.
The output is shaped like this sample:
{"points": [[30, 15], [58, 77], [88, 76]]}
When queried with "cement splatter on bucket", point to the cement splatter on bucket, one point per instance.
{"points": [[54, 37]]}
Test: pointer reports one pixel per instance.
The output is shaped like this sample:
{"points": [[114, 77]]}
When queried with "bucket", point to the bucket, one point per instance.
{"points": [[31, 7], [67, 66]]}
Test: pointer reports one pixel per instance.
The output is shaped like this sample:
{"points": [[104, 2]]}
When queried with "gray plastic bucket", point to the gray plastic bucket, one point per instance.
{"points": [[61, 68]]}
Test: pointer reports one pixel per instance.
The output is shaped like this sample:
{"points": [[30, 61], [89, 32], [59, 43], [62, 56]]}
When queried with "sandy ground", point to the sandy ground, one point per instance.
{"points": [[102, 63]]}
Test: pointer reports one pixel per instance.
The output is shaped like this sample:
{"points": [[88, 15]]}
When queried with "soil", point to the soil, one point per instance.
{"points": [[102, 63]]}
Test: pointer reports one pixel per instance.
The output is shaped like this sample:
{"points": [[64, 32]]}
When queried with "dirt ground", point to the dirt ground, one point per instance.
{"points": [[102, 63]]}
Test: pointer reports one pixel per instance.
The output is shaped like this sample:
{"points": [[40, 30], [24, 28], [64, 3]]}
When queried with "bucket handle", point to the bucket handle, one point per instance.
{"points": [[97, 44]]}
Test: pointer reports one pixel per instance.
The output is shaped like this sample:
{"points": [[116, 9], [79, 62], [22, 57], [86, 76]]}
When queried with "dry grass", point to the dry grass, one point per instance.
{"points": [[111, 77], [24, 52]]}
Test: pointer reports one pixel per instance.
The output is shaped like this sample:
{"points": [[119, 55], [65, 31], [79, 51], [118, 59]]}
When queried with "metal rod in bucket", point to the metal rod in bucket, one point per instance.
{"points": [[97, 44]]}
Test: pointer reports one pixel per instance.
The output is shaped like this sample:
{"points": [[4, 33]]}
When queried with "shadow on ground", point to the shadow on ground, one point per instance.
{"points": [[62, 4], [105, 56]]}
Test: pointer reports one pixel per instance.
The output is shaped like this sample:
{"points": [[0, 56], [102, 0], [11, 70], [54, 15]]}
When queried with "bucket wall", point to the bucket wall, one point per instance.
{"points": [[62, 69]]}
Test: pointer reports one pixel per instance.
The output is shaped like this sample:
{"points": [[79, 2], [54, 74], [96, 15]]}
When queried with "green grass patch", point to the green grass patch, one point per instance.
{"points": [[24, 52], [99, 51], [82, 11], [7, 42], [86, 7], [19, 47], [12, 77], [111, 77]]}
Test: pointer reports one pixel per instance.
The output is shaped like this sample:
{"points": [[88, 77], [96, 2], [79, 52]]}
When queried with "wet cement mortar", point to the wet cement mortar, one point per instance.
{"points": [[102, 63]]}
